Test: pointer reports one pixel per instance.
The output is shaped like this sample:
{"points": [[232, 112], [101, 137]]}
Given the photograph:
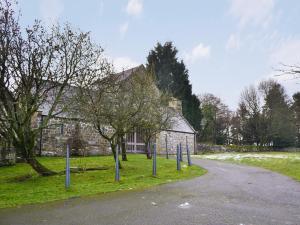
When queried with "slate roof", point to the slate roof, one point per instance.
{"points": [[127, 73], [180, 122]]}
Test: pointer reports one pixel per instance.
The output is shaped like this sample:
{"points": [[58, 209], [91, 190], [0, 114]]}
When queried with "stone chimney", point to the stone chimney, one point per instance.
{"points": [[176, 104]]}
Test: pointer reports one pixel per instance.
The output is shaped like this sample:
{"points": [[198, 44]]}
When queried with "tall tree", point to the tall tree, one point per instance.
{"points": [[37, 68], [280, 116], [296, 109], [216, 119], [172, 76], [235, 129], [249, 112]]}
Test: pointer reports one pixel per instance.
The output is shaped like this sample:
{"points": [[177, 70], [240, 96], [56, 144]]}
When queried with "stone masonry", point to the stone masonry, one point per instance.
{"points": [[61, 130], [174, 138]]}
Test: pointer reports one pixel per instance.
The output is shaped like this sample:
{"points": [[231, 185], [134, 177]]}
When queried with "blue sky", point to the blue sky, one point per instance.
{"points": [[226, 45]]}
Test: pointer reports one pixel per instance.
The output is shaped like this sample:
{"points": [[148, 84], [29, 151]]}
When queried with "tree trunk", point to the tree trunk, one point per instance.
{"points": [[148, 150], [3, 151], [123, 147], [26, 150], [113, 149], [39, 168]]}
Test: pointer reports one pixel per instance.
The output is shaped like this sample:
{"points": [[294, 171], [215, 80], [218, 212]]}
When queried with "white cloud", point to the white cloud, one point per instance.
{"points": [[233, 42], [51, 10], [198, 52], [257, 12], [124, 63], [134, 7], [123, 29], [288, 53]]}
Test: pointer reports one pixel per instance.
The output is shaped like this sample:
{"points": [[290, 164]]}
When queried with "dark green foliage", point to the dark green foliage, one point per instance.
{"points": [[216, 120], [280, 116], [172, 77], [271, 123], [296, 110]]}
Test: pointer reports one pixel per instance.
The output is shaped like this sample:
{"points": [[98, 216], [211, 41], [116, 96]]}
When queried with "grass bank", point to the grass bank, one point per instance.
{"points": [[287, 163], [20, 185]]}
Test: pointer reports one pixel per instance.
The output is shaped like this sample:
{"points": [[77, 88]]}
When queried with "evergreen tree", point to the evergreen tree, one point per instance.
{"points": [[172, 77], [296, 109], [280, 115]]}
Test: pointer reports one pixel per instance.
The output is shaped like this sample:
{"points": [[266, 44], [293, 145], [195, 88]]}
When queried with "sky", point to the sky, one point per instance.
{"points": [[226, 45]]}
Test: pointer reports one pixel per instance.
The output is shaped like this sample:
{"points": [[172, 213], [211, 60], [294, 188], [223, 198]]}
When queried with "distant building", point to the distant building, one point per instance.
{"points": [[52, 139]]}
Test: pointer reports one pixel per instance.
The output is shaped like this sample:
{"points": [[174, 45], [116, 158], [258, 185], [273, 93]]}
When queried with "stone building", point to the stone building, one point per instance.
{"points": [[52, 139]]}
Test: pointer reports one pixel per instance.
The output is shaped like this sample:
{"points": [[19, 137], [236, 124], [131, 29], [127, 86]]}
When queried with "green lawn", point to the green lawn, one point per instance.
{"points": [[286, 163], [20, 185]]}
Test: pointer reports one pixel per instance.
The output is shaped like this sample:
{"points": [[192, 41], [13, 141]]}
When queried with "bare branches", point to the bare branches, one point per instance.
{"points": [[116, 106], [40, 70], [293, 71]]}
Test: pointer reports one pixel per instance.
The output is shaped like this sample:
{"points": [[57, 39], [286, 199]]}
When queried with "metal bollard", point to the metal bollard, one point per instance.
{"points": [[180, 152], [68, 180], [177, 159], [167, 152], [117, 175], [154, 160], [188, 155]]}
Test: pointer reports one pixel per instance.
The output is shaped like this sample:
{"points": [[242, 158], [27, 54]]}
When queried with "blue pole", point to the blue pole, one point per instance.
{"points": [[180, 152], [117, 175], [188, 155], [167, 152], [177, 158], [154, 160], [67, 182], [188, 152]]}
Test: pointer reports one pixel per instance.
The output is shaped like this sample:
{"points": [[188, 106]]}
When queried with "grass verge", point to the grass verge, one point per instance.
{"points": [[287, 163], [20, 185]]}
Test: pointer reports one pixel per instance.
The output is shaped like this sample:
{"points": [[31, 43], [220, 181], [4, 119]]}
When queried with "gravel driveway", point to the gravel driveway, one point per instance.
{"points": [[227, 194]]}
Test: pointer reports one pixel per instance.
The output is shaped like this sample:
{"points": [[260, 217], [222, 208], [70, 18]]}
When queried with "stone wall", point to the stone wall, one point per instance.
{"points": [[203, 148], [174, 138], [61, 130], [7, 155]]}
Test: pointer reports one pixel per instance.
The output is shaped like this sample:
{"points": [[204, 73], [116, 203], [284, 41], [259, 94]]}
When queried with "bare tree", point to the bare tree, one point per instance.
{"points": [[265, 116], [216, 119], [9, 30], [250, 115], [291, 70], [38, 68], [114, 104], [156, 115]]}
